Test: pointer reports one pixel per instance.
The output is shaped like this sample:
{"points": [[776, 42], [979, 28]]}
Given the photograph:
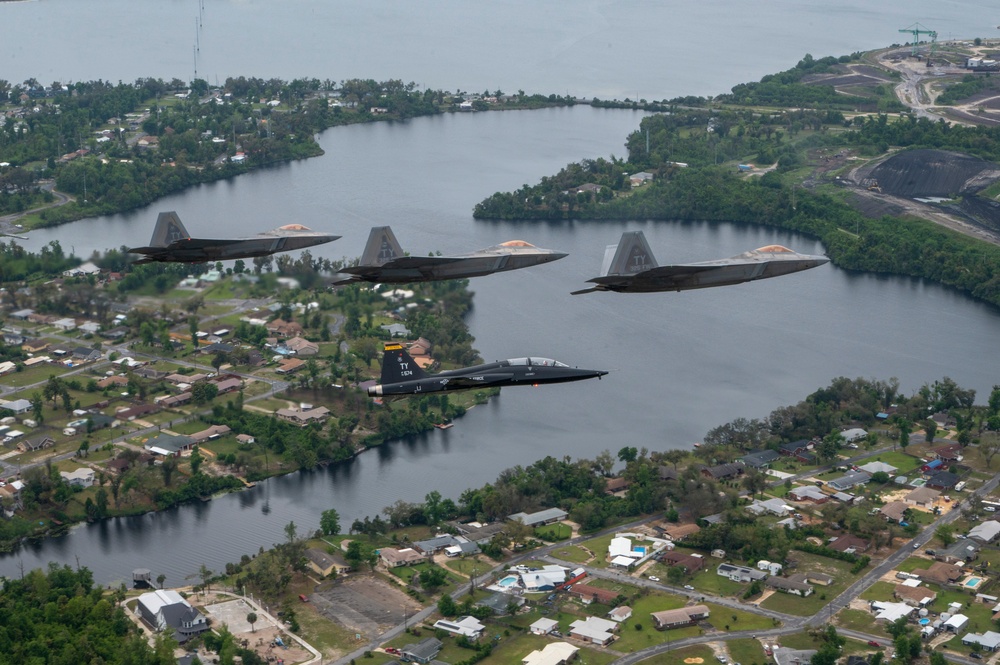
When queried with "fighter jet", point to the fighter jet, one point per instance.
{"points": [[384, 261], [629, 267], [401, 376], [172, 243]]}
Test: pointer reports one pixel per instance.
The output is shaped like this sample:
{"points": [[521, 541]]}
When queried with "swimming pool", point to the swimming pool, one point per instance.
{"points": [[973, 582], [508, 581], [924, 622], [641, 549]]}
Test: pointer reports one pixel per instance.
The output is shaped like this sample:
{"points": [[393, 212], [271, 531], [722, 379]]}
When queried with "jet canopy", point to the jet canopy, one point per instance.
{"points": [[536, 362]]}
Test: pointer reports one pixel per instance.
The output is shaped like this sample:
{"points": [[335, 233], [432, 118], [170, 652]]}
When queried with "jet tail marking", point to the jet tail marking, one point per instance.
{"points": [[397, 365], [632, 255], [168, 230], [382, 247]]}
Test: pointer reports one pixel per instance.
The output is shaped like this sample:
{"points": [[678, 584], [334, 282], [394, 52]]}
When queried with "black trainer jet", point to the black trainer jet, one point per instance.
{"points": [[384, 261], [401, 376], [629, 267], [172, 243]]}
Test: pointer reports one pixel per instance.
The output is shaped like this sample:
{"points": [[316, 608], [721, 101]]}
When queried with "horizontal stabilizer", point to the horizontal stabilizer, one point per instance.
{"points": [[590, 290]]}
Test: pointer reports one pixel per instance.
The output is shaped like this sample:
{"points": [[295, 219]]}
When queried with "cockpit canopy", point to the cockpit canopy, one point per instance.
{"points": [[536, 362]]}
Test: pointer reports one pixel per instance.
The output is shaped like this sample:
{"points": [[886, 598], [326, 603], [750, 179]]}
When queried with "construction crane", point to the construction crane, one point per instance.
{"points": [[916, 30]]}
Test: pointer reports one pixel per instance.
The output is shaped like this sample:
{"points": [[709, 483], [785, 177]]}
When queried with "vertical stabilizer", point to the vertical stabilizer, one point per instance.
{"points": [[631, 256], [168, 230], [382, 247], [397, 365]]}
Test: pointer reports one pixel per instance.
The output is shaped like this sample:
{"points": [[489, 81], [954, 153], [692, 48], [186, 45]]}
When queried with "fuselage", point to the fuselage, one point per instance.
{"points": [[518, 371], [196, 250]]}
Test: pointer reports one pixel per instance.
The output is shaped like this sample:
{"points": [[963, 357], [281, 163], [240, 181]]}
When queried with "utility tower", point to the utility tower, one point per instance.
{"points": [[916, 30]]}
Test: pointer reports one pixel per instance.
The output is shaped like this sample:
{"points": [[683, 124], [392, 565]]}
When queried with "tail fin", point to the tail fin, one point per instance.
{"points": [[168, 230], [382, 247], [397, 365], [630, 256]]}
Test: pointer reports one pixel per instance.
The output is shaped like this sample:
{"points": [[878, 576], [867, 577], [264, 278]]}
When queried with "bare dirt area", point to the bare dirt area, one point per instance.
{"points": [[932, 173], [363, 604]]}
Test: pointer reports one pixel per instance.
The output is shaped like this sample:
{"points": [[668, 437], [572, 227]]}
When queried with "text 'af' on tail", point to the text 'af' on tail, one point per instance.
{"points": [[397, 365], [382, 247], [168, 230]]}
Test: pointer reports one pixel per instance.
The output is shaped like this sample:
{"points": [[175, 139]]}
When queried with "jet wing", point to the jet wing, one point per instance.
{"points": [[416, 262], [665, 272], [201, 243]]}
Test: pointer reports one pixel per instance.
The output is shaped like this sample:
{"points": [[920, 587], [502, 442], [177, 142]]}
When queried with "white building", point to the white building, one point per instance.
{"points": [[468, 626]]}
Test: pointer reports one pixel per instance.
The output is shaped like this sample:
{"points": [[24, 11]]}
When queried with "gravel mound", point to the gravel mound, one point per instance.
{"points": [[933, 173]]}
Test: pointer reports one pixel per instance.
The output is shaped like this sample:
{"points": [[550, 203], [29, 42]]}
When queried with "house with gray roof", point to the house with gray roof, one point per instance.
{"points": [[739, 573], [762, 459], [849, 480], [962, 550], [876, 467], [989, 641], [423, 651], [165, 610], [541, 518], [986, 532]]}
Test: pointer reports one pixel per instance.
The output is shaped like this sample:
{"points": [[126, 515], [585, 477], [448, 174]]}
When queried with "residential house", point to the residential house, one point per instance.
{"points": [[174, 401], [136, 411], [65, 324], [543, 626], [614, 485], [229, 384], [849, 544], [985, 532], [940, 573], [956, 623], [723, 471], [594, 630], [988, 641], [82, 477], [761, 459], [739, 573], [553, 653], [326, 564], [917, 596], [282, 328], [423, 651], [684, 616], [467, 626], [894, 511], [210, 434], [770, 507], [290, 366], [36, 443], [303, 417], [393, 558], [787, 585], [164, 610], [168, 445], [115, 380], [795, 448], [808, 493], [849, 480], [962, 550], [592, 594], [922, 497], [878, 467], [34, 345], [302, 347], [943, 480], [951, 452], [245, 440], [680, 531], [540, 518], [620, 613]]}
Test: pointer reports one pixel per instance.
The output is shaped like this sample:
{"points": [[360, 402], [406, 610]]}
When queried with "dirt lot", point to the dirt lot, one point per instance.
{"points": [[233, 613], [364, 604]]}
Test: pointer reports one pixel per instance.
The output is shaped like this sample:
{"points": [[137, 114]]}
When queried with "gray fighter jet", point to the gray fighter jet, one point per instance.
{"points": [[172, 243], [401, 376], [629, 267], [384, 261]]}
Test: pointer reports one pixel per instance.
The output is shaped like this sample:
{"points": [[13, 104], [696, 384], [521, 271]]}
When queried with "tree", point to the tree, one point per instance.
{"points": [[930, 430], [36, 406], [196, 459], [447, 606], [329, 522], [160, 579], [252, 619], [628, 454], [206, 576], [946, 534], [904, 432], [989, 446]]}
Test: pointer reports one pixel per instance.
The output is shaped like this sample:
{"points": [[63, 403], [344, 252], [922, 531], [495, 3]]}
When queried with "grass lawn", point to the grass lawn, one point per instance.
{"points": [[861, 621], [980, 614], [327, 636], [904, 463], [573, 554], [708, 581], [791, 604], [33, 375], [914, 563], [680, 655], [554, 532], [806, 641], [746, 651], [879, 591], [467, 566], [724, 618], [512, 650], [599, 546]]}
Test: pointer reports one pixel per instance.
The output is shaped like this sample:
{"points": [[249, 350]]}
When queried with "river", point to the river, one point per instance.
{"points": [[680, 363]]}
